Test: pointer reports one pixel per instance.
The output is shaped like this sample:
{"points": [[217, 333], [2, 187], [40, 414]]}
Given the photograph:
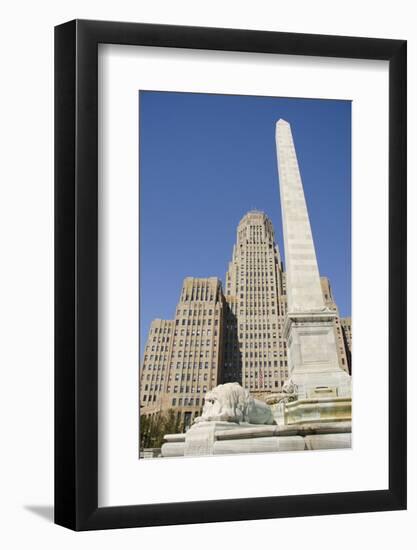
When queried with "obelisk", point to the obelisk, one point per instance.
{"points": [[309, 326], [303, 279]]}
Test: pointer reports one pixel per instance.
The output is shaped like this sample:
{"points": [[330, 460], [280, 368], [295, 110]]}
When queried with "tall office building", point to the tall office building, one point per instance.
{"points": [[338, 323], [346, 324], [182, 357], [255, 352]]}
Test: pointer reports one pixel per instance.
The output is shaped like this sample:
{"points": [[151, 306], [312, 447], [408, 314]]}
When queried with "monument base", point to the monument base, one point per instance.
{"points": [[222, 438], [331, 409], [313, 357]]}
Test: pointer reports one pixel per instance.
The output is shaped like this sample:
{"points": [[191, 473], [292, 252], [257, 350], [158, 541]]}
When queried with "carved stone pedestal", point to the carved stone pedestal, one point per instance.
{"points": [[219, 438], [201, 437]]}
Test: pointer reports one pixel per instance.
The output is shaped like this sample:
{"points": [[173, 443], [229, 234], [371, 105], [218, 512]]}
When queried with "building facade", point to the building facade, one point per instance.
{"points": [[235, 335], [329, 302], [183, 357], [255, 291], [346, 324]]}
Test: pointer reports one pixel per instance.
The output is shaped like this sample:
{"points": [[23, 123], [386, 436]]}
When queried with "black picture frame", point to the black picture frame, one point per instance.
{"points": [[76, 274]]}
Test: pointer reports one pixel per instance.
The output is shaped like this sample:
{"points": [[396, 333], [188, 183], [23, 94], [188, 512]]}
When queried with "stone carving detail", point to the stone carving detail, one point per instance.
{"points": [[300, 309], [232, 403], [289, 387], [289, 392]]}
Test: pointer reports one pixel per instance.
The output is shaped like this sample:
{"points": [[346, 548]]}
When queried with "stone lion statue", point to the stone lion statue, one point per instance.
{"points": [[232, 403]]}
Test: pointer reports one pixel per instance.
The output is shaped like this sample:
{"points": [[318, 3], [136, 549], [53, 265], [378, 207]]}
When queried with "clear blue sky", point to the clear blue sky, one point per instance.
{"points": [[205, 160]]}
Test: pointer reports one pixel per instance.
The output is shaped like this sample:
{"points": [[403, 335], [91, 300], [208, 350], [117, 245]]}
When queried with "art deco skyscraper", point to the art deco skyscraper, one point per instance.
{"points": [[255, 352]]}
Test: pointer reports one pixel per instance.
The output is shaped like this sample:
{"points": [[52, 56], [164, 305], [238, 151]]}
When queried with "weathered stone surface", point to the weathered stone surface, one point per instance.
{"points": [[212, 438], [172, 449], [313, 356], [248, 431], [319, 410], [200, 438], [171, 438], [259, 445], [328, 441], [303, 280]]}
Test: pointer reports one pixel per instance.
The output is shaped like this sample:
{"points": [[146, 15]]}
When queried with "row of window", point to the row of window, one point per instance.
{"points": [[156, 358], [152, 366], [195, 322], [179, 365], [192, 365], [251, 272], [260, 299], [157, 330], [197, 298], [148, 398], [187, 389], [193, 342], [266, 244], [187, 377], [256, 312], [265, 355], [259, 288], [266, 374], [160, 340], [152, 388], [264, 326], [256, 345], [251, 263], [267, 267], [231, 359], [256, 279], [186, 332], [190, 312], [154, 378], [186, 401], [157, 348], [195, 354], [258, 336]]}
